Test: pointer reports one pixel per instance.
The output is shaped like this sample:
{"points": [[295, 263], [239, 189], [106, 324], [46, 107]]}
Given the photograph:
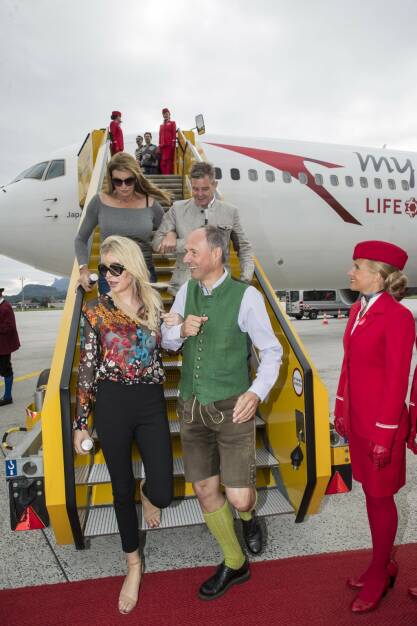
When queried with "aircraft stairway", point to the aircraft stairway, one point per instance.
{"points": [[292, 424], [173, 184]]}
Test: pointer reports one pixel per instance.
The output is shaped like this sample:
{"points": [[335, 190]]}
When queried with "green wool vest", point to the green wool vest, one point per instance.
{"points": [[215, 362]]}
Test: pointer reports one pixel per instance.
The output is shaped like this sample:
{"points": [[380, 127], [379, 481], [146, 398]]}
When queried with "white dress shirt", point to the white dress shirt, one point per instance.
{"points": [[252, 319]]}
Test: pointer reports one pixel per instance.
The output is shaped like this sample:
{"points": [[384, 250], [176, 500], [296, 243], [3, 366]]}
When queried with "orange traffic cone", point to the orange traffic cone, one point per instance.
{"points": [[325, 320]]}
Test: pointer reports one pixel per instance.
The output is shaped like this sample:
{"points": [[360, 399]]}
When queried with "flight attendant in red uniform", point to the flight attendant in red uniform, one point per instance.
{"points": [[370, 403], [412, 443], [167, 139], [117, 143]]}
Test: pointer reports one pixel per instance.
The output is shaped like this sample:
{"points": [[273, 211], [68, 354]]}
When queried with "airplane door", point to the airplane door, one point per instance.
{"points": [[54, 206]]}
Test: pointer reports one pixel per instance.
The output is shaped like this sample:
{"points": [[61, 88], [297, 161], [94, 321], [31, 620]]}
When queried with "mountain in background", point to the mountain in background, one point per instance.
{"points": [[56, 291], [61, 284]]}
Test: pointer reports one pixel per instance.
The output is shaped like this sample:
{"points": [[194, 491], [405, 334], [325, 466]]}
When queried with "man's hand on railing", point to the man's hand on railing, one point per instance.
{"points": [[168, 243]]}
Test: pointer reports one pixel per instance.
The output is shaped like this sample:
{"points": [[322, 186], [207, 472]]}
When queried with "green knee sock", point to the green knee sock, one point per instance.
{"points": [[247, 515], [220, 524]]}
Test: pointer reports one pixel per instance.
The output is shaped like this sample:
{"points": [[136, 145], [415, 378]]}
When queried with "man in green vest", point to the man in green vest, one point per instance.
{"points": [[214, 318]]}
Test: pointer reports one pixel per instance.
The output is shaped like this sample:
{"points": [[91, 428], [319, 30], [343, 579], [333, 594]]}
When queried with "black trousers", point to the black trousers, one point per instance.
{"points": [[127, 413], [6, 365]]}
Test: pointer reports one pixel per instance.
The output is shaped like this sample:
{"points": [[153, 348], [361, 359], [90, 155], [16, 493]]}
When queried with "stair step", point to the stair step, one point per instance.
{"points": [[182, 512], [98, 473], [171, 364]]}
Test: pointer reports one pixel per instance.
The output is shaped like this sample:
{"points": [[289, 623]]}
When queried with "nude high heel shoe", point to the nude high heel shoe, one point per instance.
{"points": [[128, 601]]}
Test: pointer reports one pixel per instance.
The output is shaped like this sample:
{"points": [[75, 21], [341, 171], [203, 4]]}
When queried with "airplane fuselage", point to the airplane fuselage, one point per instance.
{"points": [[303, 206]]}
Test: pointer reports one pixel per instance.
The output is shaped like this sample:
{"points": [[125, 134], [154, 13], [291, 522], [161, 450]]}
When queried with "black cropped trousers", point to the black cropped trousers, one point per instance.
{"points": [[124, 414]]}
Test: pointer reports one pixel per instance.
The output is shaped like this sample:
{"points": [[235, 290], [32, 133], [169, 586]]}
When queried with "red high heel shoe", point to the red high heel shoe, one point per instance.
{"points": [[364, 606], [392, 571]]}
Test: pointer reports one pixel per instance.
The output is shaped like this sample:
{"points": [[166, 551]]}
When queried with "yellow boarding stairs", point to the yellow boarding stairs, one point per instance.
{"points": [[292, 424]]}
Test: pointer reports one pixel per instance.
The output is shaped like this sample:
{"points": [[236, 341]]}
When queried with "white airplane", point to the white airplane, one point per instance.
{"points": [[303, 205]]}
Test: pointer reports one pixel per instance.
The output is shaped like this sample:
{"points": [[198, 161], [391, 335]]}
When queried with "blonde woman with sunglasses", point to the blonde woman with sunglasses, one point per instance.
{"points": [[120, 379], [129, 207]]}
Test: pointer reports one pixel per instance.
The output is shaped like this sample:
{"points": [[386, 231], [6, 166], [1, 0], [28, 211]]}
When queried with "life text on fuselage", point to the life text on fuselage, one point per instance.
{"points": [[394, 206]]}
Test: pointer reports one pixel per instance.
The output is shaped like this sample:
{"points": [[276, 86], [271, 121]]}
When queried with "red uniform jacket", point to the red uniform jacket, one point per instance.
{"points": [[374, 379], [117, 144], [9, 339], [413, 402], [167, 138]]}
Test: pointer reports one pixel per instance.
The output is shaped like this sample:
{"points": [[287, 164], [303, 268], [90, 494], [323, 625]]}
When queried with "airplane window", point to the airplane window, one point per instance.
{"points": [[303, 178], [405, 185], [36, 171], [334, 180], [270, 176], [234, 174], [286, 177], [349, 181], [378, 183], [318, 179], [391, 183], [217, 173], [253, 175], [56, 169], [363, 181]]}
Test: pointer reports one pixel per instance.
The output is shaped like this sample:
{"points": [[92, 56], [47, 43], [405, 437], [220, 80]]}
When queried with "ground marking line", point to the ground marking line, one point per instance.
{"points": [[24, 377]]}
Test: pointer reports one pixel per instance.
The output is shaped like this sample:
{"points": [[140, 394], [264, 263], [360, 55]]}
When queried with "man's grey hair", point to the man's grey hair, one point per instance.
{"points": [[202, 169], [216, 239]]}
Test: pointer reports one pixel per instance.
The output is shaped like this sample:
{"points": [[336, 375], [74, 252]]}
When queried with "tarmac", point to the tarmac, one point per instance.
{"points": [[34, 558]]}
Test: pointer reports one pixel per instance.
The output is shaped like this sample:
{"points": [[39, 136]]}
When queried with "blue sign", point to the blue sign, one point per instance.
{"points": [[11, 469]]}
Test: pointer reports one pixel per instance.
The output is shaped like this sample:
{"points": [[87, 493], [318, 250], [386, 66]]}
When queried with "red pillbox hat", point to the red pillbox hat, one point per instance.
{"points": [[381, 251], [165, 110], [116, 113]]}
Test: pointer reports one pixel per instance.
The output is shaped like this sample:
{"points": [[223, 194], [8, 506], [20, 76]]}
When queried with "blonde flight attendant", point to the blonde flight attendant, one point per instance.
{"points": [[370, 403]]}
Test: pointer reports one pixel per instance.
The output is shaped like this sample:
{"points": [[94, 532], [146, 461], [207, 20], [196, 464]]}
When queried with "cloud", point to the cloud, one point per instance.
{"points": [[12, 272]]}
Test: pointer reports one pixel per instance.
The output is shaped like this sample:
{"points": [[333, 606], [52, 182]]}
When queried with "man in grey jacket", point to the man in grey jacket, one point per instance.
{"points": [[203, 208]]}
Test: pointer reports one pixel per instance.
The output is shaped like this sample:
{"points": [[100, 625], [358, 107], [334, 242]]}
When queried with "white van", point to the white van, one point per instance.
{"points": [[312, 302]]}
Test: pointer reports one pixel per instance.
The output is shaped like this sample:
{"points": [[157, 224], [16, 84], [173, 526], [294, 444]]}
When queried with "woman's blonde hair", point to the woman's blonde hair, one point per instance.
{"points": [[395, 281], [125, 161], [128, 253]]}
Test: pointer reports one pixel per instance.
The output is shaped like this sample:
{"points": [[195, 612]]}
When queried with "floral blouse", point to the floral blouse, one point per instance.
{"points": [[113, 347]]}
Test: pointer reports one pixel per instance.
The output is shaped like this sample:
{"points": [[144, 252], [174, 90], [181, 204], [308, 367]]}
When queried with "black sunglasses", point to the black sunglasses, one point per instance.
{"points": [[115, 269], [118, 182]]}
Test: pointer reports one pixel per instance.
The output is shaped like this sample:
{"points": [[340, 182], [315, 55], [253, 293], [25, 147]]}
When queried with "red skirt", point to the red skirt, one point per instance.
{"points": [[377, 483]]}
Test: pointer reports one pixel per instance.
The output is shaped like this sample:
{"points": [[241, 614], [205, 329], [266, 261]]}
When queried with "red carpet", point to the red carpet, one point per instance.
{"points": [[303, 591]]}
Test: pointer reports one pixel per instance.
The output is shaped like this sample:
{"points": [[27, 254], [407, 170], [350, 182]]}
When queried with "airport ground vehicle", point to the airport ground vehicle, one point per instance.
{"points": [[47, 481], [310, 303]]}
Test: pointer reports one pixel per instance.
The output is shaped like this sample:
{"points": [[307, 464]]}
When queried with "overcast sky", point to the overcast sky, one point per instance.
{"points": [[328, 70]]}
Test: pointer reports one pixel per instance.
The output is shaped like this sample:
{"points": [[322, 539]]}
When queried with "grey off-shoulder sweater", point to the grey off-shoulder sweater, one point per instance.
{"points": [[138, 224]]}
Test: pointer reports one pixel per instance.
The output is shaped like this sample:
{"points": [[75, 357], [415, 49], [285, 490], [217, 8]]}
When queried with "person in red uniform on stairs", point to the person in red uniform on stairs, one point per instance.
{"points": [[167, 139], [370, 402], [117, 143]]}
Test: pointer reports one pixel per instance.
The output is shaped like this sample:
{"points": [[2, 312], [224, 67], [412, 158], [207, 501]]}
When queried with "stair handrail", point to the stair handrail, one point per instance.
{"points": [[270, 295], [96, 183]]}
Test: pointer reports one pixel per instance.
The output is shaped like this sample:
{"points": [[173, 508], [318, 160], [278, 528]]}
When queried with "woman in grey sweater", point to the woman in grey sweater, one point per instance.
{"points": [[128, 207]]}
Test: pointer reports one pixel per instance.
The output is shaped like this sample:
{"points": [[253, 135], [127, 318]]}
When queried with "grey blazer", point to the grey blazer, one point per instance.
{"points": [[184, 216]]}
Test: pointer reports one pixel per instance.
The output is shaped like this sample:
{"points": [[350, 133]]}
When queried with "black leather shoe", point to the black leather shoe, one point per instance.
{"points": [[252, 534], [224, 578], [3, 402]]}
